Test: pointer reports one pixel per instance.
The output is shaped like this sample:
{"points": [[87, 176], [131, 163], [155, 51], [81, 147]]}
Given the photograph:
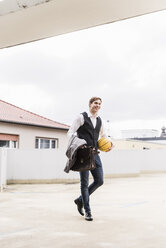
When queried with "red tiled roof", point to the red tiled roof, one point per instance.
{"points": [[14, 114]]}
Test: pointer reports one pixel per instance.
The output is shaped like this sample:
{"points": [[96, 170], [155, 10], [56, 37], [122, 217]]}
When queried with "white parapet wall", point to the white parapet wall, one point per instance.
{"points": [[3, 168], [121, 163], [45, 166], [37, 166], [134, 162]]}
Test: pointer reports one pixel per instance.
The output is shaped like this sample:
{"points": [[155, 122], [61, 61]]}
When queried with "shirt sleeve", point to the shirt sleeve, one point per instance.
{"points": [[78, 122], [103, 132]]}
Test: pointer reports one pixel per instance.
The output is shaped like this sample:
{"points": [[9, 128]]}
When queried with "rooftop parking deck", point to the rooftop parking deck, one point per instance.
{"points": [[128, 213]]}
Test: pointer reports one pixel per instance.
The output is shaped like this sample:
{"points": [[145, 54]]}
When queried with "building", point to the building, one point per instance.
{"points": [[139, 133], [143, 138], [154, 139], [163, 133], [135, 144], [23, 129]]}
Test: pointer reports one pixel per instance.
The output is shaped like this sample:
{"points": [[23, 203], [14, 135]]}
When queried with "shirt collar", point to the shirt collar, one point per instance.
{"points": [[90, 115]]}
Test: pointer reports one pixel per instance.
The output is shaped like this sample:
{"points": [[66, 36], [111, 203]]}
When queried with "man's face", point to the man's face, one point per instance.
{"points": [[95, 106]]}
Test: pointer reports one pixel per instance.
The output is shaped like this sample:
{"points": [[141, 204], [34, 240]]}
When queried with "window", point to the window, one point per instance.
{"points": [[4, 143], [8, 143], [46, 143], [9, 140], [13, 144], [53, 144]]}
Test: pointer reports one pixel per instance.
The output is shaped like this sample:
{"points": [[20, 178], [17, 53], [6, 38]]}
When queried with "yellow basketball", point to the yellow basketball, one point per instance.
{"points": [[104, 144]]}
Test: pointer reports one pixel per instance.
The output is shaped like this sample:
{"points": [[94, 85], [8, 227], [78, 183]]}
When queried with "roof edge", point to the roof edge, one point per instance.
{"points": [[34, 125], [32, 113]]}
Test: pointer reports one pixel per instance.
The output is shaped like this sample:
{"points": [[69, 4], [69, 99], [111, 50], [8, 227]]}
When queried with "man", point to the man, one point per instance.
{"points": [[88, 126]]}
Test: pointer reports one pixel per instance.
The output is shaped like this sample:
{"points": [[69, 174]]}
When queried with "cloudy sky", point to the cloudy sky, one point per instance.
{"points": [[123, 62]]}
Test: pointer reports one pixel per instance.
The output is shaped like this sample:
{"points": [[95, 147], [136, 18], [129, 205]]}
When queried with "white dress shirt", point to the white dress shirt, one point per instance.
{"points": [[79, 121]]}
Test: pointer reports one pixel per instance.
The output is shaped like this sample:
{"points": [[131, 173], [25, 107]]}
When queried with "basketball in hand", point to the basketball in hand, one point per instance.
{"points": [[104, 144]]}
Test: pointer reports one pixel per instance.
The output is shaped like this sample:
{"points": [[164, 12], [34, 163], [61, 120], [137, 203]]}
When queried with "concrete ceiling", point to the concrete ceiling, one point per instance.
{"points": [[23, 21]]}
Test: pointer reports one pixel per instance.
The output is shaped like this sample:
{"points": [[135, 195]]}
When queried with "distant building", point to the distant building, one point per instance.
{"points": [[20, 128], [139, 133], [135, 144], [163, 133], [146, 135]]}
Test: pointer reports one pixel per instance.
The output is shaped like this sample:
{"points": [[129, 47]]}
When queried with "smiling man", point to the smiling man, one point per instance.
{"points": [[88, 126]]}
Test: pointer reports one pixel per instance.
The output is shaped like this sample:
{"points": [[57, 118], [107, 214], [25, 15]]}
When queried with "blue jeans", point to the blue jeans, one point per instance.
{"points": [[86, 189]]}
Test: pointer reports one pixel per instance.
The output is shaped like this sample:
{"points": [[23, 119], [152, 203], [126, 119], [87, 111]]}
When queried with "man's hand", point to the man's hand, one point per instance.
{"points": [[109, 149]]}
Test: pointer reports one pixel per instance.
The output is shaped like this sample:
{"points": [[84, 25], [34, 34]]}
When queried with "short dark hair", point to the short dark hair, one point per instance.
{"points": [[94, 99]]}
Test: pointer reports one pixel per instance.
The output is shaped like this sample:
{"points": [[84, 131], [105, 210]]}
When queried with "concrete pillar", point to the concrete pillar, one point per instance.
{"points": [[3, 168]]}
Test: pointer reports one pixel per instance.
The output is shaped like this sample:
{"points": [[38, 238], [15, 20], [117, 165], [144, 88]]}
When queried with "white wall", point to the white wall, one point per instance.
{"points": [[30, 165], [27, 134], [123, 162], [134, 161], [37, 165]]}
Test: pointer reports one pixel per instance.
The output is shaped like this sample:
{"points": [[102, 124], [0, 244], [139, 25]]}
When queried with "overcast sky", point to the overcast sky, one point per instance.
{"points": [[123, 62]]}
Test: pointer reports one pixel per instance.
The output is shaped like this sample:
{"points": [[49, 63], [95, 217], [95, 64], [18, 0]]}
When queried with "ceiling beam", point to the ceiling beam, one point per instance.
{"points": [[56, 17]]}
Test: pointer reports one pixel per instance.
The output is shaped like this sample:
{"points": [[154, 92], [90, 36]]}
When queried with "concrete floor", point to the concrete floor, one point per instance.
{"points": [[128, 212]]}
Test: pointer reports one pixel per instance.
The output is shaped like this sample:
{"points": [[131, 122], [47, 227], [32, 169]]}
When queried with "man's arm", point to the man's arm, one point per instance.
{"points": [[78, 122], [103, 132]]}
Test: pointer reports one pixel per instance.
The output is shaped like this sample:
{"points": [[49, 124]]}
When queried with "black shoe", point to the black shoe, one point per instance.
{"points": [[88, 216], [79, 206]]}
